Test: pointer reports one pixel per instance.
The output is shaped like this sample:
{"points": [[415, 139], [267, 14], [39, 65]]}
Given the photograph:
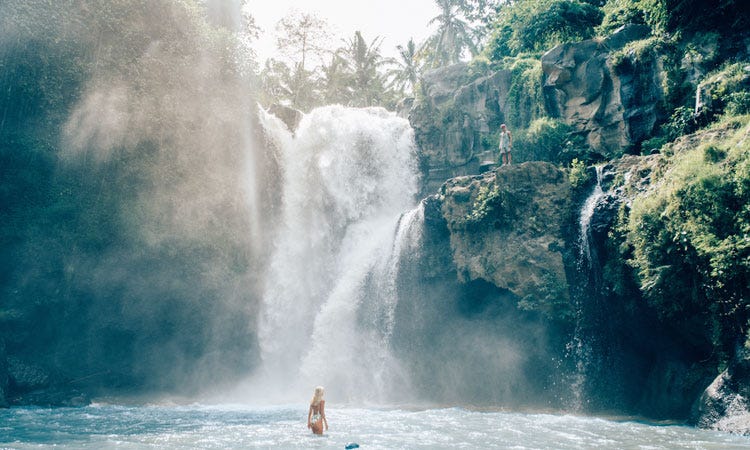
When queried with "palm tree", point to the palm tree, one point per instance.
{"points": [[333, 81], [452, 37], [405, 74], [363, 61]]}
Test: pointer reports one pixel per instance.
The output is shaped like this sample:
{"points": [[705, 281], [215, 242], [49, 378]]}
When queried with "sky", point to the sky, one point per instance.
{"points": [[395, 20]]}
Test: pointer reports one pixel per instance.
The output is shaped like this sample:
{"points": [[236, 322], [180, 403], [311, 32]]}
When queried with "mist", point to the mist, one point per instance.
{"points": [[165, 235], [141, 248]]}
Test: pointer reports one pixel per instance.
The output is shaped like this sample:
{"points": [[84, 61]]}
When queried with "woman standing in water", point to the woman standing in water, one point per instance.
{"points": [[316, 416]]}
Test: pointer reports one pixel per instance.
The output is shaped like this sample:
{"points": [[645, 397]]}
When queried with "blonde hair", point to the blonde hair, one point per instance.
{"points": [[317, 395]]}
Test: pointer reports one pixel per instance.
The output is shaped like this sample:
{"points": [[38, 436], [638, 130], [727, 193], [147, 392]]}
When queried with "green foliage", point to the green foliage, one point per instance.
{"points": [[738, 103], [667, 16], [405, 75], [537, 25], [491, 203], [525, 100], [579, 176], [364, 81], [654, 144], [629, 59], [548, 139], [682, 122], [355, 74], [618, 13], [690, 238], [726, 88]]}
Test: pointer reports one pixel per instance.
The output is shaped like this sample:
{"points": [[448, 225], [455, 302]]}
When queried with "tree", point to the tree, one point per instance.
{"points": [[366, 84], [538, 25], [453, 37], [301, 36], [405, 74], [333, 81], [481, 14]]}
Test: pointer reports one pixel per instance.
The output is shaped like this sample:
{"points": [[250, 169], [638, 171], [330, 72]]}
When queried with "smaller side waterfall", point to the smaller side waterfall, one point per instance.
{"points": [[587, 212], [579, 348]]}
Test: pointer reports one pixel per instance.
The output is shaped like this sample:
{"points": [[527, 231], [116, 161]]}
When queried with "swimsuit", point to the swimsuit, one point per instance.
{"points": [[315, 418]]}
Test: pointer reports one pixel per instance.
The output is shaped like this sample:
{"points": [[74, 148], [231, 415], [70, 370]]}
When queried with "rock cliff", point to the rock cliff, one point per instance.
{"points": [[609, 90], [507, 228], [483, 312], [452, 119], [612, 102]]}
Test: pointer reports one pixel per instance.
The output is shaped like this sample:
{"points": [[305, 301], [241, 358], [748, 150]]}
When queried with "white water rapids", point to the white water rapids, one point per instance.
{"points": [[348, 175]]}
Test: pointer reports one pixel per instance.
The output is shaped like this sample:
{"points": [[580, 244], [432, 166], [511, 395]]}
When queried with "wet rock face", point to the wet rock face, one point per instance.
{"points": [[724, 404], [613, 107], [506, 227], [26, 377], [3, 376], [290, 116], [451, 119]]}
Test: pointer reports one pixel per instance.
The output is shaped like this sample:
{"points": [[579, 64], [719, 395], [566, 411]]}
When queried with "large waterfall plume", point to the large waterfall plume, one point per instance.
{"points": [[328, 304]]}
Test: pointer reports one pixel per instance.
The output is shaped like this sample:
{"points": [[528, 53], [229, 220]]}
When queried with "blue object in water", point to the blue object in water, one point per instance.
{"points": [[351, 446]]}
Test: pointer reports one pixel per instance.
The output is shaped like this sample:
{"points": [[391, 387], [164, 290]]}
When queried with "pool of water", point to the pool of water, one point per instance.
{"points": [[236, 426]]}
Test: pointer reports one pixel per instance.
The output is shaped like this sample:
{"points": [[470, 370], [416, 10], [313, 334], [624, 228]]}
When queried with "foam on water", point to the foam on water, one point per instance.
{"points": [[200, 426]]}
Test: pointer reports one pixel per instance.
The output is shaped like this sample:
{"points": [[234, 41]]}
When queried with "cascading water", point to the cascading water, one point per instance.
{"points": [[580, 348], [587, 212], [330, 292]]}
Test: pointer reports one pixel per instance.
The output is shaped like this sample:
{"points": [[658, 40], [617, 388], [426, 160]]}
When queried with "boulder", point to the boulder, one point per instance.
{"points": [[725, 405], [26, 376], [290, 116], [612, 102]]}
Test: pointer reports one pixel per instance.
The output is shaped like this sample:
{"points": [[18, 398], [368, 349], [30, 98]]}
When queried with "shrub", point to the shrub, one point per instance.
{"points": [[550, 140], [682, 122], [494, 203], [727, 89], [738, 103], [578, 175], [618, 13], [525, 101]]}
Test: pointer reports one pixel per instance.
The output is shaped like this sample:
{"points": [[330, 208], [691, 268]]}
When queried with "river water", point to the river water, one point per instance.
{"points": [[103, 426]]}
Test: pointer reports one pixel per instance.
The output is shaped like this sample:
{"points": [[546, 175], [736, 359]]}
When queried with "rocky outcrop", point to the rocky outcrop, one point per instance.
{"points": [[481, 316], [452, 119], [507, 228], [612, 102], [290, 116], [725, 404]]}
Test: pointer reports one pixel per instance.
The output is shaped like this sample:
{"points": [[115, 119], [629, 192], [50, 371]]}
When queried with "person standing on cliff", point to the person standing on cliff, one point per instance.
{"points": [[505, 144]]}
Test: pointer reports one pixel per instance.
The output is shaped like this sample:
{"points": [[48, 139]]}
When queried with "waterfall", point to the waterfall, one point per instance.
{"points": [[330, 293], [579, 348], [587, 212]]}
